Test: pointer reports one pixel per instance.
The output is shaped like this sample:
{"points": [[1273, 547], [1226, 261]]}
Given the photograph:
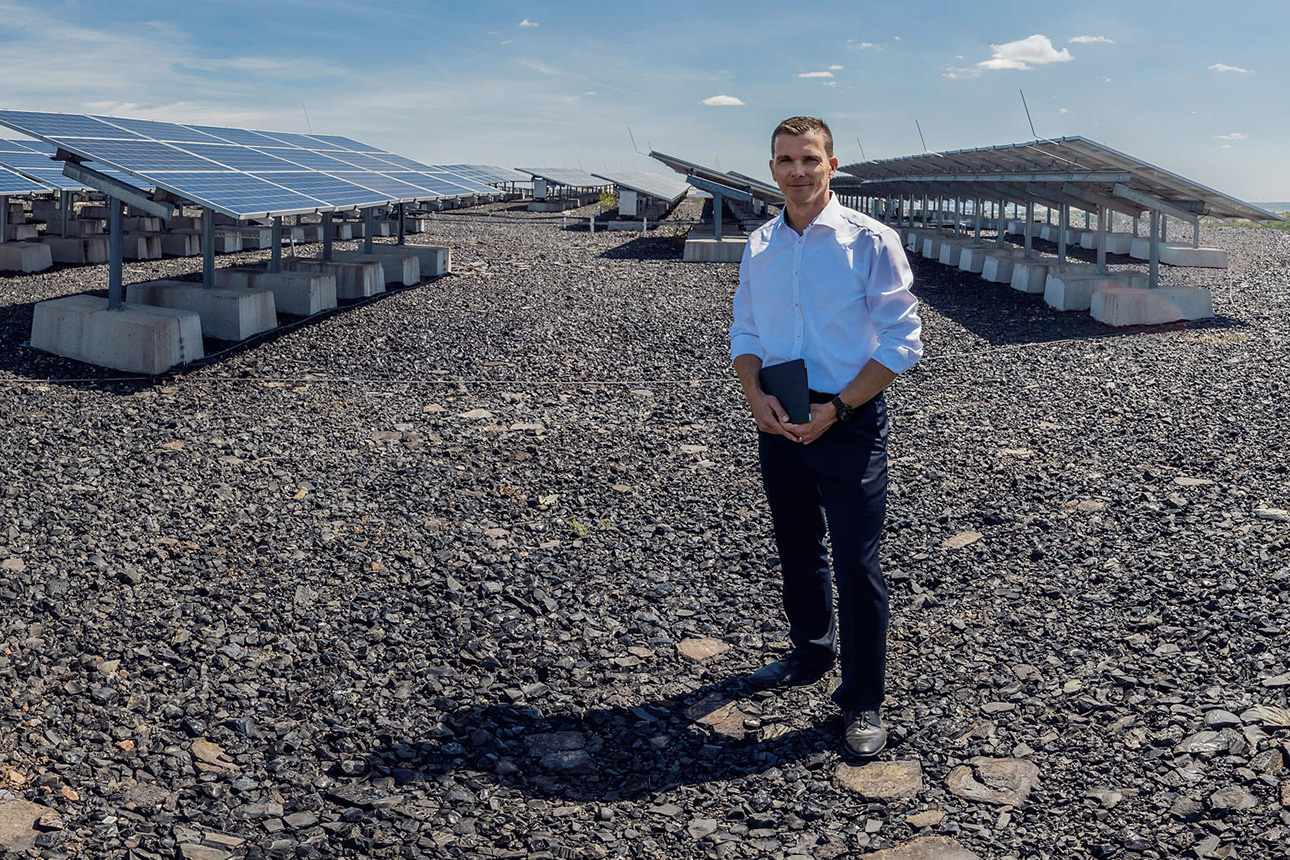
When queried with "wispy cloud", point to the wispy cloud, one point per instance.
{"points": [[1024, 54], [836, 68], [1090, 40], [864, 46], [526, 23], [1236, 135], [1224, 67], [816, 75], [723, 101]]}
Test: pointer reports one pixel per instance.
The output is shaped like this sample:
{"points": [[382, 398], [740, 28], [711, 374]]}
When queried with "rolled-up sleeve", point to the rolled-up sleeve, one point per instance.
{"points": [[744, 339], [892, 307]]}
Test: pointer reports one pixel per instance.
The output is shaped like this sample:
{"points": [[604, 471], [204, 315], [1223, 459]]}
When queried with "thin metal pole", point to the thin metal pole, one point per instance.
{"points": [[998, 222], [1153, 265], [65, 205], [1062, 212], [717, 202], [1101, 240], [275, 253], [116, 298], [1195, 232], [1030, 218], [976, 206], [208, 248], [4, 219], [369, 227], [403, 224], [326, 231]]}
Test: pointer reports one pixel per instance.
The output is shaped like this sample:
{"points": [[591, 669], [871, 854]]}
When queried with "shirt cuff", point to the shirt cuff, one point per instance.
{"points": [[744, 344], [897, 359]]}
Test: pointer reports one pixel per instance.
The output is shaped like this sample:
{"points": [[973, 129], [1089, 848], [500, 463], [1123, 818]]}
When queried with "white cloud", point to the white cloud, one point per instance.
{"points": [[1224, 67], [1236, 135], [1023, 54], [863, 46], [591, 93], [816, 75], [1226, 146], [527, 23], [723, 101], [1091, 40], [1063, 110], [830, 83], [835, 68], [897, 38]]}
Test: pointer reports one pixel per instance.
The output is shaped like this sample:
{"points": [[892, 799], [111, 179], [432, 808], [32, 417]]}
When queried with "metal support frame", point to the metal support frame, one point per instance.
{"points": [[403, 224], [976, 235], [1000, 216], [1101, 240], [275, 253], [369, 227], [1063, 218], [4, 218], [1030, 229], [1153, 256], [208, 248], [64, 209], [116, 294], [326, 236]]}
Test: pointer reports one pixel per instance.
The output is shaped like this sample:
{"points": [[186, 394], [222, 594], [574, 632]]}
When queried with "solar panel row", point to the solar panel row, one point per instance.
{"points": [[654, 185], [246, 173]]}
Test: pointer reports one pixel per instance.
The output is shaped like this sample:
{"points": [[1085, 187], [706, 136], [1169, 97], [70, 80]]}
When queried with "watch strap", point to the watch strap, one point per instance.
{"points": [[844, 411]]}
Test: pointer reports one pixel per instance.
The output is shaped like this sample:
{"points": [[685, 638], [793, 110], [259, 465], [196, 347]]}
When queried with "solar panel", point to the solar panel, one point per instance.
{"points": [[654, 185], [755, 187], [13, 183], [34, 159], [243, 173], [565, 176]]}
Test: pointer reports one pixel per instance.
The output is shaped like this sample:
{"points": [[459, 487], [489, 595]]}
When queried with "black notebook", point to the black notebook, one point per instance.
{"points": [[786, 382]]}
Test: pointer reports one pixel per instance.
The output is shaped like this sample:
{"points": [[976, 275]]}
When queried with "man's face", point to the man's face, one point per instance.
{"points": [[802, 169]]}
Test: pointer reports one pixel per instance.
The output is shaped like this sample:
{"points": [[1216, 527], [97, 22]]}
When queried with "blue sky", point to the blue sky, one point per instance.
{"points": [[1199, 88]]}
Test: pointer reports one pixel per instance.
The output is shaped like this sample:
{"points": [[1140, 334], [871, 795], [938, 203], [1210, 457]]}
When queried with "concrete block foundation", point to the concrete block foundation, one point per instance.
{"points": [[1071, 289], [225, 314], [88, 249], [712, 251], [25, 257], [404, 269], [181, 244], [1029, 276], [354, 279], [136, 339], [973, 259], [301, 293], [1201, 258], [1126, 305], [141, 246], [435, 260], [998, 267]]}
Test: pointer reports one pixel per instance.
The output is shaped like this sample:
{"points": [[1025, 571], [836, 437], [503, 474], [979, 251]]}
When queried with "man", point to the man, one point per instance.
{"points": [[828, 285]]}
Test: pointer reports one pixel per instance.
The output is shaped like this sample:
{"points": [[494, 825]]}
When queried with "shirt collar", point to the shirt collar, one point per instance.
{"points": [[830, 216]]}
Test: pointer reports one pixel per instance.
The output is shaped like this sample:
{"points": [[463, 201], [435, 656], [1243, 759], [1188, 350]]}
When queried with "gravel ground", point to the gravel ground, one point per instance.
{"points": [[474, 569]]}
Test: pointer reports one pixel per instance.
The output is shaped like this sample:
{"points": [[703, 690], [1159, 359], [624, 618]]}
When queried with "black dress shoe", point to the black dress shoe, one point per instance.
{"points": [[865, 736], [789, 672]]}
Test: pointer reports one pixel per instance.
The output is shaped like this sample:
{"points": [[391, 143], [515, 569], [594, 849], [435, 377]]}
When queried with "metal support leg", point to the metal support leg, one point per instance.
{"points": [[1063, 210], [1101, 240], [403, 224], [116, 295], [976, 207], [64, 209], [369, 227], [326, 231], [1153, 257], [4, 219], [208, 248], [275, 253], [717, 204], [999, 216], [1030, 218], [1195, 232]]}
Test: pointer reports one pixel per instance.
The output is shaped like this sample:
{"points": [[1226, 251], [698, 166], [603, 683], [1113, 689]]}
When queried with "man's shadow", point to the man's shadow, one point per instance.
{"points": [[713, 733]]}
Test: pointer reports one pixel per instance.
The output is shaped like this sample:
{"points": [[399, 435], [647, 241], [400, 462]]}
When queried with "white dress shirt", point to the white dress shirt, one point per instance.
{"points": [[837, 295]]}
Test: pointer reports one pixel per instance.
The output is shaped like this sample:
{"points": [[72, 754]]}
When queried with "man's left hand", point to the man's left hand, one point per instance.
{"points": [[823, 416]]}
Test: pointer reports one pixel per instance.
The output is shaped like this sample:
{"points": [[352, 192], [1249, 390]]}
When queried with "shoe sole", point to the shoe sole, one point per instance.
{"points": [[780, 685]]}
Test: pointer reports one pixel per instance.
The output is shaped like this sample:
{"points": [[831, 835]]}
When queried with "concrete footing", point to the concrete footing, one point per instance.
{"points": [[21, 232], [998, 266], [1029, 276], [973, 258], [1072, 289], [136, 339], [141, 224], [1119, 243], [301, 293], [403, 269], [1186, 255], [436, 260], [225, 314], [932, 247], [712, 251], [553, 205], [355, 279], [180, 244], [77, 227], [87, 249], [141, 246], [1125, 305], [25, 257]]}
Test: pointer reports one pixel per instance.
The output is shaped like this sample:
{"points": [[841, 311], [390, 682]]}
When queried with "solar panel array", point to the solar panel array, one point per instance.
{"points": [[15, 183], [487, 173], [34, 160], [565, 176], [654, 185], [758, 189], [245, 173]]}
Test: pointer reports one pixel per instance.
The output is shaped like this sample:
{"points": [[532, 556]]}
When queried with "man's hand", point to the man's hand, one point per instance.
{"points": [[823, 416], [770, 415]]}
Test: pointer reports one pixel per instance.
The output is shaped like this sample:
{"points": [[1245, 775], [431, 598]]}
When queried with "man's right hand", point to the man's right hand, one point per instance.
{"points": [[770, 415]]}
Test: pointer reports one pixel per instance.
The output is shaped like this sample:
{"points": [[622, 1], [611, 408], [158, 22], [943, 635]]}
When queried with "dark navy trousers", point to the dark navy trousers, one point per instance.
{"points": [[836, 486]]}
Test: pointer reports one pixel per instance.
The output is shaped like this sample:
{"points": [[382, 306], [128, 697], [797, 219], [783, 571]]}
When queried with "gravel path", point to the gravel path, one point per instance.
{"points": [[473, 569]]}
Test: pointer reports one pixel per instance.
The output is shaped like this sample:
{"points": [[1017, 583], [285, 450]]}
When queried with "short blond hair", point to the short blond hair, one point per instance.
{"points": [[796, 125]]}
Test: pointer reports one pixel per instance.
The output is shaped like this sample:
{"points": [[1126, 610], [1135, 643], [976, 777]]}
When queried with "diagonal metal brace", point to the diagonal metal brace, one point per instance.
{"points": [[115, 188]]}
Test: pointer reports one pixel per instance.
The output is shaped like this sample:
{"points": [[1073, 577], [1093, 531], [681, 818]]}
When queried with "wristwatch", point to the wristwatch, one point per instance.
{"points": [[844, 411]]}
